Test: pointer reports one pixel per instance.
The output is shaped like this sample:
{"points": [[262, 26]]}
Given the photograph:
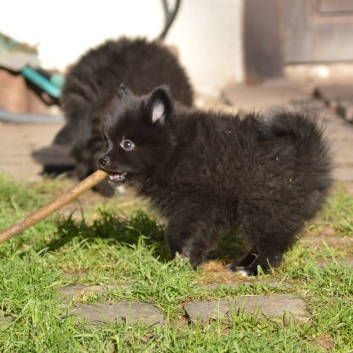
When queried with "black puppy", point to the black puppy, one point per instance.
{"points": [[207, 171], [93, 81]]}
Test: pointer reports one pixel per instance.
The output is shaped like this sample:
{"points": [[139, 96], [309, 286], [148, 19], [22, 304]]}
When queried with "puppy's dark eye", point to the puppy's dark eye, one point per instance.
{"points": [[127, 144]]}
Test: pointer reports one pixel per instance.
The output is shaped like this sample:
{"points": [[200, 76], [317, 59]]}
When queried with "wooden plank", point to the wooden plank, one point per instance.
{"points": [[297, 27], [317, 31], [333, 40], [336, 7], [262, 39]]}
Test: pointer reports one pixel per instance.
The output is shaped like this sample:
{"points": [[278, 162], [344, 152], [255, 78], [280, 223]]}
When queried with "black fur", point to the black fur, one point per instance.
{"points": [[207, 171], [92, 82]]}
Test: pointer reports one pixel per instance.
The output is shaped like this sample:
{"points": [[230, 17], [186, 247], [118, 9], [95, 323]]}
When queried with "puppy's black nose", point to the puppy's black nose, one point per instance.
{"points": [[103, 161]]}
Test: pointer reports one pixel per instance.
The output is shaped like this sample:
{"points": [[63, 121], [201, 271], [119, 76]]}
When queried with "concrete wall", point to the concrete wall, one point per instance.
{"points": [[207, 33]]}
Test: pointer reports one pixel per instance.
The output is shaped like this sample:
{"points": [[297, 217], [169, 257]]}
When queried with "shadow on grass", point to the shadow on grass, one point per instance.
{"points": [[118, 229], [114, 229]]}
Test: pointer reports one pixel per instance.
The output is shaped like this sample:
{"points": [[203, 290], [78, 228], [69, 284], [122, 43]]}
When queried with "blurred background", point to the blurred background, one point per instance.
{"points": [[207, 34], [237, 53], [219, 42]]}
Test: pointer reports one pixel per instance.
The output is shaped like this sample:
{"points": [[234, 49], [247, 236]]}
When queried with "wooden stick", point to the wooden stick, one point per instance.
{"points": [[47, 210]]}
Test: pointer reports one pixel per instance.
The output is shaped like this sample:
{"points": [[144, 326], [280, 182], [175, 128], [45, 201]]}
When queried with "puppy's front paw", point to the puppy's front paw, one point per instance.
{"points": [[195, 258]]}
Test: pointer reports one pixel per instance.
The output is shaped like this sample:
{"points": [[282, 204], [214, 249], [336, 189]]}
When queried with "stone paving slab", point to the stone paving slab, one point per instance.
{"points": [[331, 91], [274, 305], [131, 312], [338, 97], [345, 108], [213, 286], [147, 313]]}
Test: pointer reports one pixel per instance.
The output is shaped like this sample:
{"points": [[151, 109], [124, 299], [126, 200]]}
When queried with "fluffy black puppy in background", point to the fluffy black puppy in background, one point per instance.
{"points": [[92, 82], [206, 171]]}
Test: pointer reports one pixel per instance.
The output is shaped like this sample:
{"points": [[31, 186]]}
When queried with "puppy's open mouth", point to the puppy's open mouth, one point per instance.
{"points": [[117, 178]]}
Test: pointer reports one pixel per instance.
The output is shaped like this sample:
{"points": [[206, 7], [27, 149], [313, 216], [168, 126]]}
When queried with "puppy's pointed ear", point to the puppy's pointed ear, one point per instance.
{"points": [[123, 91], [161, 105]]}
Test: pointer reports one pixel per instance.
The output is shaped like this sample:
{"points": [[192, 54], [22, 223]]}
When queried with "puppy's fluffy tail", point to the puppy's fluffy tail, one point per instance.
{"points": [[303, 128], [306, 133]]}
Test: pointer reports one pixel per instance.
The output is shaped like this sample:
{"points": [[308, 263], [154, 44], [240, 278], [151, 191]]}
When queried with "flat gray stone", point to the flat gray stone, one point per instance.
{"points": [[273, 305], [328, 92], [132, 312], [247, 284], [345, 108]]}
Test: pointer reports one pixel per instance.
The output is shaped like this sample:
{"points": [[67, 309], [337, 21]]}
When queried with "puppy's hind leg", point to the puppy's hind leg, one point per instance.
{"points": [[266, 260], [271, 234]]}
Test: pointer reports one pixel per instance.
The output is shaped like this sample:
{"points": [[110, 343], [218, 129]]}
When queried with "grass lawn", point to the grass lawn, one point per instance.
{"points": [[96, 241]]}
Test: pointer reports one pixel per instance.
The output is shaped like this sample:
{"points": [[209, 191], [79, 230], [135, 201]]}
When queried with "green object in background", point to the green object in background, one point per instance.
{"points": [[57, 80], [41, 81], [21, 57]]}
